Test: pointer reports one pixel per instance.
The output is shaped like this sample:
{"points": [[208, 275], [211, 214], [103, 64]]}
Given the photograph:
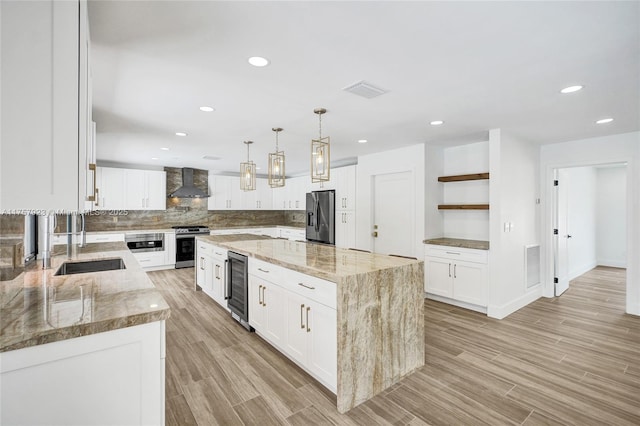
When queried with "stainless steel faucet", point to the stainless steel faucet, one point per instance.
{"points": [[83, 232], [48, 229]]}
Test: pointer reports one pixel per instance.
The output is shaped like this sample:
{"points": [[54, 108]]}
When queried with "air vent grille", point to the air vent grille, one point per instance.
{"points": [[365, 89], [532, 265], [211, 157]]}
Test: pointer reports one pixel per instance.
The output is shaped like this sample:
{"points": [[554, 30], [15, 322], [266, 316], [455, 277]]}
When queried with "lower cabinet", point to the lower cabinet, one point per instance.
{"points": [[211, 262], [457, 273], [345, 228], [298, 316], [110, 378], [266, 309]]}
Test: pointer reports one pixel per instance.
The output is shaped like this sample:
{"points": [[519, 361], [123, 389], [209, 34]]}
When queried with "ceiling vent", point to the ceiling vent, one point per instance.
{"points": [[365, 89], [211, 157]]}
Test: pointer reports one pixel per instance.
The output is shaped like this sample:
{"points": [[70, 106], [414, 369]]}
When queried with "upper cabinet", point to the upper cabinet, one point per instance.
{"points": [[224, 193], [130, 189], [345, 186], [45, 106]]}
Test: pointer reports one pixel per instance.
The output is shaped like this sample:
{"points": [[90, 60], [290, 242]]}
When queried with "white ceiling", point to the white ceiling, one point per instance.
{"points": [[475, 65]]}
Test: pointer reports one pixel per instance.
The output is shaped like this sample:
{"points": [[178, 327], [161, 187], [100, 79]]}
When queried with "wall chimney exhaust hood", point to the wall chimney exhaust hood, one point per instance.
{"points": [[188, 189]]}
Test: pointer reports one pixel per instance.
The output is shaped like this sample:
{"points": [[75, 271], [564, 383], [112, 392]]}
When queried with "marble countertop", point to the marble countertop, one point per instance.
{"points": [[228, 238], [38, 307], [457, 242], [319, 260]]}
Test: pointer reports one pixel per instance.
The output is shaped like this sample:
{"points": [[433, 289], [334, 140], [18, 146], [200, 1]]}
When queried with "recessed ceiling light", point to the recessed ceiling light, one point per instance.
{"points": [[604, 121], [207, 109], [436, 122], [571, 89], [154, 158], [181, 134], [165, 149], [258, 61], [362, 141]]}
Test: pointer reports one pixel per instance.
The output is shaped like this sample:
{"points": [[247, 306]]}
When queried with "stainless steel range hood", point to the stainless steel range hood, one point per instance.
{"points": [[188, 189]]}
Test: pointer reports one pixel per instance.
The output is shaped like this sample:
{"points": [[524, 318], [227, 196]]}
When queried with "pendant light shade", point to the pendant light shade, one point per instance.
{"points": [[248, 172], [276, 165], [320, 153]]}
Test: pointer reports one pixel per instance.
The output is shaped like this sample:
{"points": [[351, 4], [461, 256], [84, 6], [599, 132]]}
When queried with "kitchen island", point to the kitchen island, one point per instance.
{"points": [[85, 348], [353, 320]]}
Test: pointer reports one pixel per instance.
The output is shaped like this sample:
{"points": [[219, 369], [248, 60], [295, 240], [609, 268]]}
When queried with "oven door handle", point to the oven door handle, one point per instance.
{"points": [[227, 279]]}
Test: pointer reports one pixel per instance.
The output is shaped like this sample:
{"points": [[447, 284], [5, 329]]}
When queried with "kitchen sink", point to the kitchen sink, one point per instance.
{"points": [[69, 268]]}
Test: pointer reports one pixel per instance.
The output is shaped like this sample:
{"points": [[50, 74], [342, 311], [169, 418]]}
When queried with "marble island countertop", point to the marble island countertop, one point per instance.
{"points": [[458, 242], [318, 260], [39, 307]]}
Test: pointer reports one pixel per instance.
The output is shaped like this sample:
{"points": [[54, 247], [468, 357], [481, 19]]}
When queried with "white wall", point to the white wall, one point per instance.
{"points": [[513, 196], [581, 219], [602, 150], [434, 194], [611, 208], [410, 159]]}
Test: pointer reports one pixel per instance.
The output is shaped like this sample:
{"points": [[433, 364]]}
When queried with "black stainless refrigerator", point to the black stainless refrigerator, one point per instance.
{"points": [[321, 214]]}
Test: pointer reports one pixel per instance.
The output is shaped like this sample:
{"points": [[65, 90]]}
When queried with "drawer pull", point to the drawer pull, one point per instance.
{"points": [[453, 252], [219, 254], [263, 270], [306, 286]]}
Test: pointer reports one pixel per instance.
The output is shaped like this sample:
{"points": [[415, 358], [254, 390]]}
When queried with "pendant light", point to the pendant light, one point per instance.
{"points": [[320, 155], [248, 172], [276, 164]]}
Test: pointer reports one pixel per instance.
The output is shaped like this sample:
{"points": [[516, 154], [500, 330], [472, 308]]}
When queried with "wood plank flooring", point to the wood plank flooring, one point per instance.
{"points": [[572, 360]]}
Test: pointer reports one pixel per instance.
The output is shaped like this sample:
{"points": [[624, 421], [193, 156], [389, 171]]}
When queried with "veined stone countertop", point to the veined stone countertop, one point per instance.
{"points": [[457, 242], [38, 307], [379, 310], [318, 260], [228, 238]]}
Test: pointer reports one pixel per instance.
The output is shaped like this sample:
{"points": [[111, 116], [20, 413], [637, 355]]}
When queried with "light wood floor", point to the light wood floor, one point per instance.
{"points": [[569, 360]]}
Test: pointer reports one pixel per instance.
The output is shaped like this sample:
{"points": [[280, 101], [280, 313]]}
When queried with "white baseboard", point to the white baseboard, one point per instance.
{"points": [[457, 303], [582, 269], [500, 312], [614, 263]]}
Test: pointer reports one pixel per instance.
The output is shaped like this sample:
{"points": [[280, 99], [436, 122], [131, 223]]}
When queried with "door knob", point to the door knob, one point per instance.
{"points": [[375, 234]]}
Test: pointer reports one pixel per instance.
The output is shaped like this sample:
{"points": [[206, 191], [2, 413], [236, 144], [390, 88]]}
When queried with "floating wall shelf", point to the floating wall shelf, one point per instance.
{"points": [[460, 178], [463, 206]]}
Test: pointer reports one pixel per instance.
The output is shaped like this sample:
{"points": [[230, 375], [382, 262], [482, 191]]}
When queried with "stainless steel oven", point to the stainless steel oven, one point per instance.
{"points": [[186, 244]]}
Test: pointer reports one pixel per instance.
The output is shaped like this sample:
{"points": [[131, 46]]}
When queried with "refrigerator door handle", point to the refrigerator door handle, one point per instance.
{"points": [[317, 215]]}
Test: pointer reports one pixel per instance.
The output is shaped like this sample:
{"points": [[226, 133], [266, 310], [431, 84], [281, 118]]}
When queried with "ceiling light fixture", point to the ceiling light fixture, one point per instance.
{"points": [[604, 121], [181, 134], [362, 141], [154, 158], [320, 153], [207, 109], [437, 122], [258, 61], [165, 149], [276, 164], [571, 89], [248, 172]]}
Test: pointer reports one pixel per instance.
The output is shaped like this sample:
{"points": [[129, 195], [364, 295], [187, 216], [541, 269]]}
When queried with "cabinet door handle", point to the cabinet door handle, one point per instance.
{"points": [[202, 263], [217, 272], [308, 328], [454, 271], [263, 270], [97, 198], [264, 288], [306, 286], [259, 295], [94, 197], [449, 270], [227, 274], [301, 313]]}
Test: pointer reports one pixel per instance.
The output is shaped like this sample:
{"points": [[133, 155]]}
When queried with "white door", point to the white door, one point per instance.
{"points": [[561, 257], [393, 223]]}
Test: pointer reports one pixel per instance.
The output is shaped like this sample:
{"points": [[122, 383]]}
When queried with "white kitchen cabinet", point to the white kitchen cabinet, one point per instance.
{"points": [[151, 259], [266, 309], [104, 237], [345, 186], [111, 188], [115, 378], [322, 342], [219, 261], [204, 267], [345, 228], [260, 199], [170, 248], [43, 95], [130, 189], [225, 193], [459, 274]]}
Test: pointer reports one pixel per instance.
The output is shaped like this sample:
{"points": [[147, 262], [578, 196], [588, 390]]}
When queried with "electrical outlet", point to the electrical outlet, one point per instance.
{"points": [[115, 219]]}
